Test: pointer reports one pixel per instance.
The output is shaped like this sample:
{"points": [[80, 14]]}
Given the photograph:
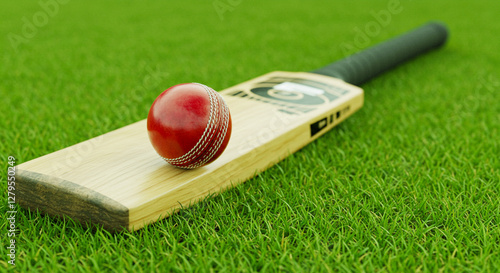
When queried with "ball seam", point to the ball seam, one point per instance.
{"points": [[207, 133]]}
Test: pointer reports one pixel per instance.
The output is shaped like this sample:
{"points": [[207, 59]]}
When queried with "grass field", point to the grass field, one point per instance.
{"points": [[409, 183]]}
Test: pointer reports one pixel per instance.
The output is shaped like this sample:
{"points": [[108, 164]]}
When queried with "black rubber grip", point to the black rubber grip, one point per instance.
{"points": [[367, 64]]}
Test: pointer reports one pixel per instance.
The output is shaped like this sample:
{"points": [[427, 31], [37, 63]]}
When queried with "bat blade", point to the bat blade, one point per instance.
{"points": [[118, 181]]}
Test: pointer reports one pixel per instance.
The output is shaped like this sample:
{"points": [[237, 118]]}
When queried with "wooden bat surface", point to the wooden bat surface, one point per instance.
{"points": [[118, 181]]}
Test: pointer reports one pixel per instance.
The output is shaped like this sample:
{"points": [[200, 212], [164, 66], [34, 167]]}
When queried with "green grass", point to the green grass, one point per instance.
{"points": [[409, 183]]}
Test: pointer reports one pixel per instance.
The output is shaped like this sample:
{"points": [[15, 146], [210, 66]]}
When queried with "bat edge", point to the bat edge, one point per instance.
{"points": [[61, 198]]}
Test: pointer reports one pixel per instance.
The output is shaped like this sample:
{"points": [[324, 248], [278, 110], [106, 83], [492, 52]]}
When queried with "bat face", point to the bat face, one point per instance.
{"points": [[117, 180]]}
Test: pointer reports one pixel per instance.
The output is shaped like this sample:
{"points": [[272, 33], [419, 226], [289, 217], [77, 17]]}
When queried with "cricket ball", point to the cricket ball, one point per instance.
{"points": [[189, 125]]}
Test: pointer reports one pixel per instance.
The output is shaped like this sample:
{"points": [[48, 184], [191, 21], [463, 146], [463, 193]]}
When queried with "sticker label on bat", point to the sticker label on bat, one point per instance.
{"points": [[298, 88], [318, 126], [293, 95], [329, 120]]}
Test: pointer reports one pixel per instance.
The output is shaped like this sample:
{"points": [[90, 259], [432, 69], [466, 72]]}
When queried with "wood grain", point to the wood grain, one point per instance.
{"points": [[118, 180], [58, 197]]}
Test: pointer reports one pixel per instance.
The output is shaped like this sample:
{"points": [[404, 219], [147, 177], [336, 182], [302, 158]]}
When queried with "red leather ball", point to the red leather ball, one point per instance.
{"points": [[189, 125]]}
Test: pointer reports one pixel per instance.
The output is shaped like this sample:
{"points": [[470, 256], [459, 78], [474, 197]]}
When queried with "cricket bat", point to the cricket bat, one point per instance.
{"points": [[117, 180]]}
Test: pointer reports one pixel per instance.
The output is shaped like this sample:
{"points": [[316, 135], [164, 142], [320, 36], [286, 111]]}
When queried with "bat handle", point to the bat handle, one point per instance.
{"points": [[365, 65]]}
